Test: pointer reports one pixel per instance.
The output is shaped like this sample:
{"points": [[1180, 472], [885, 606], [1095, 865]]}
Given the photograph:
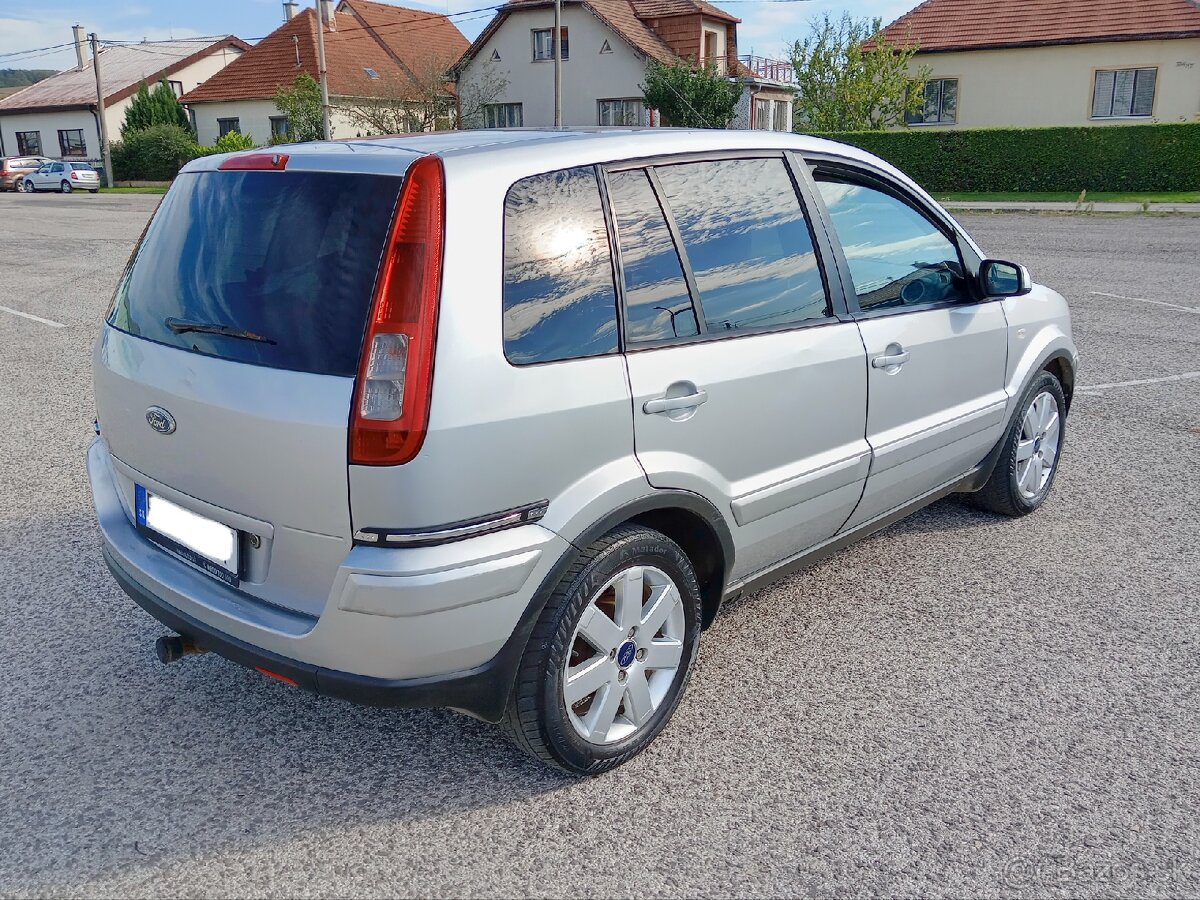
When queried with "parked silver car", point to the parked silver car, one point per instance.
{"points": [[64, 177], [498, 420]]}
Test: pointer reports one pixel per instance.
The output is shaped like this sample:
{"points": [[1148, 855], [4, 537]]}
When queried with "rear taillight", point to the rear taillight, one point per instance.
{"points": [[395, 376], [74, 176]]}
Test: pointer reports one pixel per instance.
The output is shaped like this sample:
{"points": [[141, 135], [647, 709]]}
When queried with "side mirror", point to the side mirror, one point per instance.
{"points": [[1004, 279]]}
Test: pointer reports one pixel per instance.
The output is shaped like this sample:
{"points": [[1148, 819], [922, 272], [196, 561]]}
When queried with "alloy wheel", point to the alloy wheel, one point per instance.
{"points": [[1037, 448], [625, 655]]}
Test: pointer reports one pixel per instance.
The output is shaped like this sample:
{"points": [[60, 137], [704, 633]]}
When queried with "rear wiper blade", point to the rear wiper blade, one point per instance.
{"points": [[180, 326]]}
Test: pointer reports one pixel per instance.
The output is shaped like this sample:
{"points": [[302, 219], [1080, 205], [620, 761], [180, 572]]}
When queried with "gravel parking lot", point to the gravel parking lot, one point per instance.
{"points": [[960, 706]]}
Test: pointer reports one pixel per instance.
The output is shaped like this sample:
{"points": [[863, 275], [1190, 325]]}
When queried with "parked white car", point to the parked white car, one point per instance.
{"points": [[64, 177]]}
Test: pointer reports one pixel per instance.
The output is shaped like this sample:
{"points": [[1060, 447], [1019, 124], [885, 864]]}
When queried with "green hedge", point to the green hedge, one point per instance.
{"points": [[1111, 158]]}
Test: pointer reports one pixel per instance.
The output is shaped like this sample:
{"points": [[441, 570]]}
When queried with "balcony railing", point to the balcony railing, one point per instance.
{"points": [[759, 66]]}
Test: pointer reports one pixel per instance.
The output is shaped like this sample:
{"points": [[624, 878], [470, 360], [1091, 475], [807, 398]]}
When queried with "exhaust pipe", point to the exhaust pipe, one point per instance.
{"points": [[175, 647]]}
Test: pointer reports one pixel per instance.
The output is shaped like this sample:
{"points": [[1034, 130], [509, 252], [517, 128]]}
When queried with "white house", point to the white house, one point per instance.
{"points": [[606, 46], [373, 51], [1029, 63], [57, 117]]}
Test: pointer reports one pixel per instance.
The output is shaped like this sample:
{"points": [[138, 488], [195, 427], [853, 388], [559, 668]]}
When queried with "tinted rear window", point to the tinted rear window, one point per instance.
{"points": [[288, 257], [82, 167]]}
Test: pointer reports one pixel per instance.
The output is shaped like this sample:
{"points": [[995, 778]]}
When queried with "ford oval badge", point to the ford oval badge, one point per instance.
{"points": [[160, 420]]}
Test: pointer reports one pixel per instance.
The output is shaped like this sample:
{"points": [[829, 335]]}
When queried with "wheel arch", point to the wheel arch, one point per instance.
{"points": [[692, 522]]}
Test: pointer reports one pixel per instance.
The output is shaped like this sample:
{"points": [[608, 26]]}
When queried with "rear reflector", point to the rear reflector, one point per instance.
{"points": [[276, 676], [395, 379], [259, 162]]}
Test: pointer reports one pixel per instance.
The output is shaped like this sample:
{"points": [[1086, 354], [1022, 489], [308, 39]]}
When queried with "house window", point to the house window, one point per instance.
{"points": [[781, 120], [503, 115], [224, 126], [621, 112], [176, 88], [543, 44], [279, 128], [762, 115], [70, 142], [941, 104], [1124, 93], [29, 143]]}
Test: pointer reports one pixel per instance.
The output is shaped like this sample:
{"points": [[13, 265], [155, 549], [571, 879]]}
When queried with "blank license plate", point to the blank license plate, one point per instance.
{"points": [[206, 544]]}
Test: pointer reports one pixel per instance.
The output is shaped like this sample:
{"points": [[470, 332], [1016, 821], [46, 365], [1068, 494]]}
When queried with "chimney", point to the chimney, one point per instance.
{"points": [[290, 8], [77, 30], [327, 14]]}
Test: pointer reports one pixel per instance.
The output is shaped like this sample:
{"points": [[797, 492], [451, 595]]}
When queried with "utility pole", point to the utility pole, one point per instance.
{"points": [[108, 172], [322, 71], [558, 64]]}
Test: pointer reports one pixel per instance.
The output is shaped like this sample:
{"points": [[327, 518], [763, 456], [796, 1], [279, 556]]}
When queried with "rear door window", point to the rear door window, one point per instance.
{"points": [[283, 262], [748, 242], [559, 300]]}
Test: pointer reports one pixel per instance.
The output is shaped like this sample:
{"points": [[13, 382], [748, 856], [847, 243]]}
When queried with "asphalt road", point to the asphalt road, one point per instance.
{"points": [[960, 706]]}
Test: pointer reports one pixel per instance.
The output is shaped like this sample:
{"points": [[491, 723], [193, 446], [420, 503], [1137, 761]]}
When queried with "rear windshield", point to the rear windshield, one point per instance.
{"points": [[283, 263], [81, 167]]}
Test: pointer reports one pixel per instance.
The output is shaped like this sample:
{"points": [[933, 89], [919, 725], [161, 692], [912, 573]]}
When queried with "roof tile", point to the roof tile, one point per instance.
{"points": [[977, 24]]}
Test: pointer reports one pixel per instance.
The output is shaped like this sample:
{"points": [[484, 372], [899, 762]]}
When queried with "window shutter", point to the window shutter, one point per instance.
{"points": [[1143, 92], [1102, 103]]}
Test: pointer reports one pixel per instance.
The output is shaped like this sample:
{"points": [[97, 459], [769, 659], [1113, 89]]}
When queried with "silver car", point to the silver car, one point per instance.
{"points": [[64, 177], [497, 421]]}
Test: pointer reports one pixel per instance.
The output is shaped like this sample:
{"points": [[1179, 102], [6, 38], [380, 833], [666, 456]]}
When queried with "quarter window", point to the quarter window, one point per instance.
{"points": [[559, 300], [70, 142], [897, 256], [1124, 93], [29, 142], [657, 303], [940, 106], [503, 115], [748, 242]]}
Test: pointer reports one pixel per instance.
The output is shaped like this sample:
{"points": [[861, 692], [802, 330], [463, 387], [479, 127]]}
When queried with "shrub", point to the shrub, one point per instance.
{"points": [[228, 143], [1110, 158], [154, 107], [152, 154]]}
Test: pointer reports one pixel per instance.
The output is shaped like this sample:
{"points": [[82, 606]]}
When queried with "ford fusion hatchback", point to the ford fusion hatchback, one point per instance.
{"points": [[497, 421]]}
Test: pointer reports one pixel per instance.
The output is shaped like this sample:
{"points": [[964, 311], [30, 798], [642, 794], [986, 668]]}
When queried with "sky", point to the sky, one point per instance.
{"points": [[766, 26]]}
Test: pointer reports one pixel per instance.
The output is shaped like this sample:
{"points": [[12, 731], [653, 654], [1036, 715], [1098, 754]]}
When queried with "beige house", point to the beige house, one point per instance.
{"points": [[1031, 63]]}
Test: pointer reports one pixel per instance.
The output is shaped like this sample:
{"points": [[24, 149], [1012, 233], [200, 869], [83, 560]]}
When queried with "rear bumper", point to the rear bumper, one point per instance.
{"points": [[482, 691], [436, 626]]}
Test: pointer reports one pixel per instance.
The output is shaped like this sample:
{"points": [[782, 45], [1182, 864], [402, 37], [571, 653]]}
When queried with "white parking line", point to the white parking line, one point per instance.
{"points": [[25, 315], [1190, 309], [1185, 376]]}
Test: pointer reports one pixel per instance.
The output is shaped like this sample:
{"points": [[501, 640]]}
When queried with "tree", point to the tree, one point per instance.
{"points": [[691, 97], [301, 103], [485, 87], [157, 107], [849, 77]]}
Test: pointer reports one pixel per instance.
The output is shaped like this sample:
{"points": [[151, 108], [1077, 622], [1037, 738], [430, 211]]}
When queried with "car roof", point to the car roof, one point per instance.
{"points": [[384, 154]]}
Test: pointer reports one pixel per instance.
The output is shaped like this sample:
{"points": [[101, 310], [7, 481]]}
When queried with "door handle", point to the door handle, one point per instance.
{"points": [[673, 404], [892, 358]]}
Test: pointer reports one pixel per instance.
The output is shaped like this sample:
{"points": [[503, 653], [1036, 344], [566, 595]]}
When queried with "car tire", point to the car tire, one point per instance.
{"points": [[593, 689], [19, 187], [29, 188], [1025, 471], [65, 187], [93, 190]]}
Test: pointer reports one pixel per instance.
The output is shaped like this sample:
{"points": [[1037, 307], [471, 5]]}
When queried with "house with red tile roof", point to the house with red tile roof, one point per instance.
{"points": [[386, 70], [1055, 62], [57, 116], [606, 46]]}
